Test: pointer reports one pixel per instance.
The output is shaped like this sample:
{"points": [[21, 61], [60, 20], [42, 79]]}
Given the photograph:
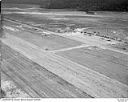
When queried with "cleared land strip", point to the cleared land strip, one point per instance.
{"points": [[112, 67], [37, 78], [77, 38], [91, 82], [51, 42], [47, 43]]}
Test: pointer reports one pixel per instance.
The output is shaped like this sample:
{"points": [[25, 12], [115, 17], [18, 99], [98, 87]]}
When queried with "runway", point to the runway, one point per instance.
{"points": [[92, 83]]}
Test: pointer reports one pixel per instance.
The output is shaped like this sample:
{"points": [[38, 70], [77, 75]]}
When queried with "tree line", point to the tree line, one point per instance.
{"points": [[84, 5]]}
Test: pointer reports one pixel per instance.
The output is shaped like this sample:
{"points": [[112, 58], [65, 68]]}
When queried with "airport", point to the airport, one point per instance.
{"points": [[64, 54]]}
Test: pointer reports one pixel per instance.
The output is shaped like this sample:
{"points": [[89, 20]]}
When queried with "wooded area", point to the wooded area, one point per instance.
{"points": [[84, 5]]}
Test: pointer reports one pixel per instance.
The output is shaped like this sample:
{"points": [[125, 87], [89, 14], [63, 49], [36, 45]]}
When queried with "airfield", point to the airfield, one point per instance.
{"points": [[65, 53]]}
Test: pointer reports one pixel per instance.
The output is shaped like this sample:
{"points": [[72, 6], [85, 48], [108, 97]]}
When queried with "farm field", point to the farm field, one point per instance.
{"points": [[47, 63]]}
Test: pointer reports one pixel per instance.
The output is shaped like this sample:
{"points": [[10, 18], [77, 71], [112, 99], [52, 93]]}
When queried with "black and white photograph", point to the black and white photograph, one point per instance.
{"points": [[64, 49]]}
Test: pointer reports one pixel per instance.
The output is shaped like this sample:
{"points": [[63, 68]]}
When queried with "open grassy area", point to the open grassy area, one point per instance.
{"points": [[54, 20], [47, 55], [34, 79], [49, 42], [111, 64]]}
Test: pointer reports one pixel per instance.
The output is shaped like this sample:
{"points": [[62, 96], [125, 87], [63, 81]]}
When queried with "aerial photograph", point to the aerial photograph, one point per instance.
{"points": [[64, 48]]}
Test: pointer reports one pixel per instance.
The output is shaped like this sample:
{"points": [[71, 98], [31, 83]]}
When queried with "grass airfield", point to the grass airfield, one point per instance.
{"points": [[65, 64]]}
